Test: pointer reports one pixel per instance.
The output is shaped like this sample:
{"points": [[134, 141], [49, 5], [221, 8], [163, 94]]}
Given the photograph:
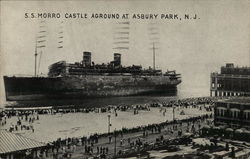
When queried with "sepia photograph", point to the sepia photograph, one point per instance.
{"points": [[124, 79]]}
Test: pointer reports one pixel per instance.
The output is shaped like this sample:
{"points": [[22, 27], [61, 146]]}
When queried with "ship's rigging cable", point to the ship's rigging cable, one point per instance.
{"points": [[120, 48], [40, 57], [60, 38], [41, 46], [121, 36]]}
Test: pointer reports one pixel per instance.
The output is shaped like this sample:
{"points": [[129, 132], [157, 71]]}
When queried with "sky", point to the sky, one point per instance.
{"points": [[194, 48]]}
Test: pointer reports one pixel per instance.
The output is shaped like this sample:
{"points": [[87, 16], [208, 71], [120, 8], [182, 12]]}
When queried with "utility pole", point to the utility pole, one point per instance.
{"points": [[109, 123], [173, 113], [115, 142]]}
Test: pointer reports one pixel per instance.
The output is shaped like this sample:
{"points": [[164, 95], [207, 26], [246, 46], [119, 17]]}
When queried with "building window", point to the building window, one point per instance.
{"points": [[221, 111], [247, 114], [234, 113]]}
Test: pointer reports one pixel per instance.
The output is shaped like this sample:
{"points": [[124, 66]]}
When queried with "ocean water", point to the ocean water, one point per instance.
{"points": [[182, 92]]}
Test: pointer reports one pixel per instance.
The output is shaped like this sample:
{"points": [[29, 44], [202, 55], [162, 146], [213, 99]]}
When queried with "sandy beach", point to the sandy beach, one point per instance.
{"points": [[84, 124]]}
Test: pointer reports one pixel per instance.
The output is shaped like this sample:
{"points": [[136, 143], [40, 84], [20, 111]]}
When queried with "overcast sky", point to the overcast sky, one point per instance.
{"points": [[193, 48]]}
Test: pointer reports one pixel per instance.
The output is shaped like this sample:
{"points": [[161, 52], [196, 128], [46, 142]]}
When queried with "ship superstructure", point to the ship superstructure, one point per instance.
{"points": [[87, 67]]}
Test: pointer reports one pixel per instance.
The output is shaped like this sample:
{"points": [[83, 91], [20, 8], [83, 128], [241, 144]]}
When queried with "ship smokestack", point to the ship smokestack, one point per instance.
{"points": [[117, 59], [86, 58]]}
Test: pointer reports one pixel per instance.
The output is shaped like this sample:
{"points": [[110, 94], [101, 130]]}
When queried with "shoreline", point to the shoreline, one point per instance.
{"points": [[74, 106]]}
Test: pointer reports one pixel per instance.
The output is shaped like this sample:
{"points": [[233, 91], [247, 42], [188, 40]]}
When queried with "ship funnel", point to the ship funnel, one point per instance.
{"points": [[86, 58], [117, 59]]}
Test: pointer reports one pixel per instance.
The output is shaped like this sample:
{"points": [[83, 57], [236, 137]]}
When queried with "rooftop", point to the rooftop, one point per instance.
{"points": [[239, 100], [10, 142]]}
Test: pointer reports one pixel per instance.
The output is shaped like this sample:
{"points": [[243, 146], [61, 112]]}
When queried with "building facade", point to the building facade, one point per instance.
{"points": [[231, 81], [234, 113]]}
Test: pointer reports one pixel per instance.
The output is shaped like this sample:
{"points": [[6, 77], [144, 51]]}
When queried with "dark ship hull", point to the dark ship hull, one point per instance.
{"points": [[88, 86]]}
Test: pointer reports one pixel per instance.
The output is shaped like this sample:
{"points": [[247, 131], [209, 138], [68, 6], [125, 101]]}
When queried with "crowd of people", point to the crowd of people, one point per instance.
{"points": [[90, 145], [24, 121], [186, 102]]}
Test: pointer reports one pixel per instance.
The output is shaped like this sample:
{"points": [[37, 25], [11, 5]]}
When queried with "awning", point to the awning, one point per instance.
{"points": [[10, 142], [239, 131], [229, 129], [206, 127]]}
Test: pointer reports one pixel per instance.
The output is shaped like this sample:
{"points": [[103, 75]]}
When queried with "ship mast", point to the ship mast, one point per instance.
{"points": [[39, 44], [154, 56], [35, 56]]}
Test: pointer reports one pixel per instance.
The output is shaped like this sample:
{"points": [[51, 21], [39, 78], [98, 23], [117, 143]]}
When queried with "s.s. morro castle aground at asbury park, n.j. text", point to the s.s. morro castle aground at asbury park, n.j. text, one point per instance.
{"points": [[108, 16]]}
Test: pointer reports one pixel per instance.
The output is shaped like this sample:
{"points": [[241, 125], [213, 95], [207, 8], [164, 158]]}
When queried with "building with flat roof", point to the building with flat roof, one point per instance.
{"points": [[234, 112], [231, 81]]}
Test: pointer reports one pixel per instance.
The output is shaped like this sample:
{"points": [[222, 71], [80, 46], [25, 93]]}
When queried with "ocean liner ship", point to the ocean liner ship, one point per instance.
{"points": [[86, 79]]}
